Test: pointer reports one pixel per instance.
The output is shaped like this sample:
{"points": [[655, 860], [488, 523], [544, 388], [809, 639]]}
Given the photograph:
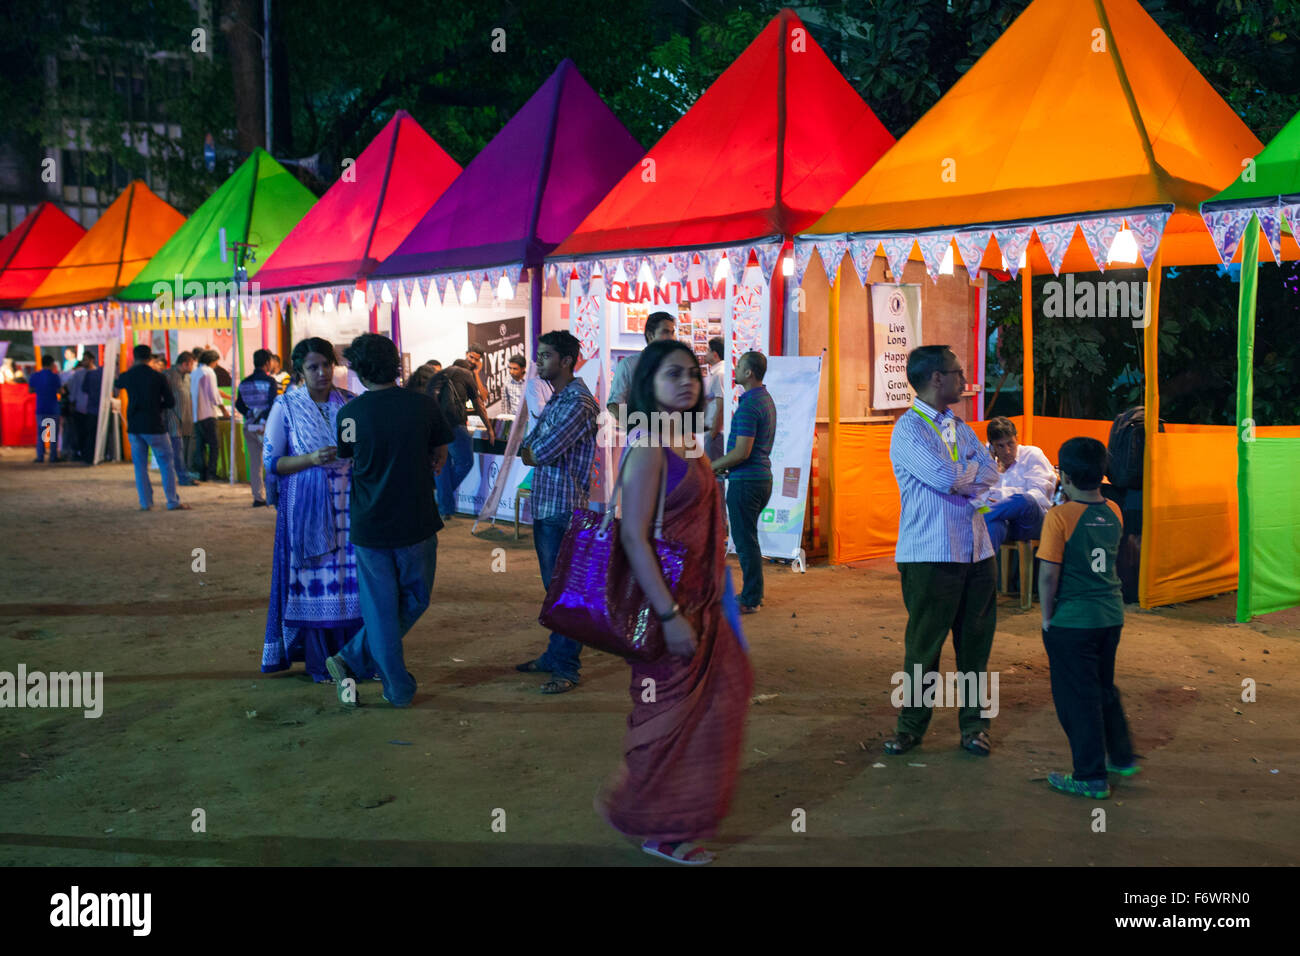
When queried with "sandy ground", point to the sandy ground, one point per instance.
{"points": [[284, 776]]}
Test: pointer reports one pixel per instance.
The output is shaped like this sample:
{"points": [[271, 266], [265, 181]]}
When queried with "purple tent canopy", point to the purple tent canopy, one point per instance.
{"points": [[528, 188]]}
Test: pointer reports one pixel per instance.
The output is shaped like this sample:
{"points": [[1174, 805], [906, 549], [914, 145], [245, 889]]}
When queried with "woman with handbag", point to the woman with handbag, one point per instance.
{"points": [[314, 607], [683, 743]]}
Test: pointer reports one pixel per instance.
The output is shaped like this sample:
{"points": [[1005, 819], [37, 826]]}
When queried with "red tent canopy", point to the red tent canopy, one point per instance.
{"points": [[765, 151], [32, 249], [366, 213]]}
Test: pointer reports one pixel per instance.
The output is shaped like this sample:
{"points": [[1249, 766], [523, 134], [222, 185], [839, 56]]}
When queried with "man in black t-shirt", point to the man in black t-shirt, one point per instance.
{"points": [[148, 394], [397, 439]]}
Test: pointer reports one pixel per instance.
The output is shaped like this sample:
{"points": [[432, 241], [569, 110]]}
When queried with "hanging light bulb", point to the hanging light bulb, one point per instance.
{"points": [[503, 289], [1123, 249], [723, 270], [787, 266], [946, 267]]}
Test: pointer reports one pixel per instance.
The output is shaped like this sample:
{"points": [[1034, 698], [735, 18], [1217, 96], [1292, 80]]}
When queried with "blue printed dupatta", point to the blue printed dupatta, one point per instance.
{"points": [[314, 605]]}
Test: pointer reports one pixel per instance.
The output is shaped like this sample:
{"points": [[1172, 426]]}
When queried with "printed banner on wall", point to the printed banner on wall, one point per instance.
{"points": [[499, 338], [896, 328], [793, 382]]}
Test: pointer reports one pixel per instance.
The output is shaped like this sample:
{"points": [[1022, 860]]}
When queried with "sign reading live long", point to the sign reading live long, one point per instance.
{"points": [[896, 324]]}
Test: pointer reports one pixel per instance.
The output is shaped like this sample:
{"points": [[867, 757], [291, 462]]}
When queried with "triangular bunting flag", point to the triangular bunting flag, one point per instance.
{"points": [[1148, 227], [897, 250], [933, 247], [1100, 235], [832, 253], [971, 246], [1270, 223], [863, 253], [1055, 238], [1013, 242], [803, 250]]}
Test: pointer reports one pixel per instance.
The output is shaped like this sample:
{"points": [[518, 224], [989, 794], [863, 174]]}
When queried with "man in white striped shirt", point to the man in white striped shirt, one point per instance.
{"points": [[944, 554]]}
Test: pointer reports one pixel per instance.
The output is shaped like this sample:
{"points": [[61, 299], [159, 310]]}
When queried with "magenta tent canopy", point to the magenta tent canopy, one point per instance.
{"points": [[529, 187]]}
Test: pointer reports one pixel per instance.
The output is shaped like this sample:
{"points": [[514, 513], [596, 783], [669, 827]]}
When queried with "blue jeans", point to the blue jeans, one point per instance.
{"points": [[394, 585], [161, 446], [178, 457], [745, 503], [460, 459], [561, 657], [1016, 519]]}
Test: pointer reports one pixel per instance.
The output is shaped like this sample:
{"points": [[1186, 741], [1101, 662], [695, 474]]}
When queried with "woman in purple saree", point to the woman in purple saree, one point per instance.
{"points": [[314, 608], [681, 754]]}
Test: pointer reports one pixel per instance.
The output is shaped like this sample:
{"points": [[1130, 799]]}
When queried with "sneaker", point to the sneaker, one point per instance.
{"points": [[343, 680], [1128, 771], [1064, 782], [259, 504]]}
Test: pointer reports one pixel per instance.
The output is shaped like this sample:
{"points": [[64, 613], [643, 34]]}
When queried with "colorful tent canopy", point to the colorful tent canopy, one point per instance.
{"points": [[32, 249], [763, 152], [112, 251], [368, 211], [529, 186], [258, 204], [1081, 106], [1268, 458]]}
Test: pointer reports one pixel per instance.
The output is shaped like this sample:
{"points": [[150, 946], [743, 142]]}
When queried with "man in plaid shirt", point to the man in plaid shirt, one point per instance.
{"points": [[561, 450]]}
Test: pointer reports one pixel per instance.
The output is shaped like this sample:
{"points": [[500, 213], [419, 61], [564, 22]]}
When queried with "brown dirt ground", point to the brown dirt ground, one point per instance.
{"points": [[285, 776]]}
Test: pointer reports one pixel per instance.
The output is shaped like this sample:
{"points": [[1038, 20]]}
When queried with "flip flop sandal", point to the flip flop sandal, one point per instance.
{"points": [[977, 743], [901, 743], [558, 686], [685, 852], [532, 667]]}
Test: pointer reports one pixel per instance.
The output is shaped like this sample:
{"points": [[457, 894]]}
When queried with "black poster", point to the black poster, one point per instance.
{"points": [[499, 339]]}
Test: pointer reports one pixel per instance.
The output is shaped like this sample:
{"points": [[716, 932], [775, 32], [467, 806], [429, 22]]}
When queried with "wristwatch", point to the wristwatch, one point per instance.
{"points": [[665, 618]]}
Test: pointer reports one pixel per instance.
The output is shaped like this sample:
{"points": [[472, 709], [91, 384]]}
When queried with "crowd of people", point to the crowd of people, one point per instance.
{"points": [[363, 483]]}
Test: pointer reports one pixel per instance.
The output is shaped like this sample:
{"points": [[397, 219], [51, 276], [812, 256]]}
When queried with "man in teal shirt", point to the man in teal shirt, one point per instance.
{"points": [[748, 468]]}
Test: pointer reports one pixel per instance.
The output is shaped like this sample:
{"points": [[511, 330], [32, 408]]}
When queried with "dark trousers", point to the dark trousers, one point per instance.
{"points": [[562, 657], [205, 448], [1087, 700], [745, 502], [87, 426], [941, 596], [47, 429]]}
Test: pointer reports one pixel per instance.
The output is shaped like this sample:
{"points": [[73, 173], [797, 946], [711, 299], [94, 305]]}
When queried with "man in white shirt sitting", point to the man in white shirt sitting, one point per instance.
{"points": [[1022, 496]]}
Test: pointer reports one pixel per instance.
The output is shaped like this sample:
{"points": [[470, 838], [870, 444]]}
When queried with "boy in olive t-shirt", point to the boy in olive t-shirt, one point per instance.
{"points": [[1083, 614]]}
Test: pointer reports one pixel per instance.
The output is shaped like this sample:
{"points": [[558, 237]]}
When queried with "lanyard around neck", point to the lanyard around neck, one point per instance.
{"points": [[952, 449]]}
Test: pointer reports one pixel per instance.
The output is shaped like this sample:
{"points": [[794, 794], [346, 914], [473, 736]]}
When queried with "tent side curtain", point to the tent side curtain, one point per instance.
{"points": [[671, 265], [1270, 516]]}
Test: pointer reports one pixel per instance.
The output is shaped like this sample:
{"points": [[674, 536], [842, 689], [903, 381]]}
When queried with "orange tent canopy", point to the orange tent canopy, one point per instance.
{"points": [[112, 252], [763, 152], [1081, 106]]}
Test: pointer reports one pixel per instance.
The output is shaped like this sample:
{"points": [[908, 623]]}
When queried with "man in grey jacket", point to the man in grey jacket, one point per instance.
{"points": [[180, 419]]}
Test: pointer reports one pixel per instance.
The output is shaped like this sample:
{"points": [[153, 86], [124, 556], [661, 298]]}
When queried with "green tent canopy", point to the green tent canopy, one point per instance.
{"points": [[1265, 197], [258, 204]]}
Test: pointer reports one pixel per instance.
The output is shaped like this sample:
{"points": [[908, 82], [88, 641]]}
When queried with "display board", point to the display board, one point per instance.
{"points": [[793, 382]]}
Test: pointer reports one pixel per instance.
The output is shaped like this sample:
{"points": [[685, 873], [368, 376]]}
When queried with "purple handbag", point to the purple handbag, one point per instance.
{"points": [[594, 597]]}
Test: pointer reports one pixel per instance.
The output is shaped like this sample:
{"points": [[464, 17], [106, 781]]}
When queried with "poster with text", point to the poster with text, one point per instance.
{"points": [[896, 328], [499, 338], [793, 381]]}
